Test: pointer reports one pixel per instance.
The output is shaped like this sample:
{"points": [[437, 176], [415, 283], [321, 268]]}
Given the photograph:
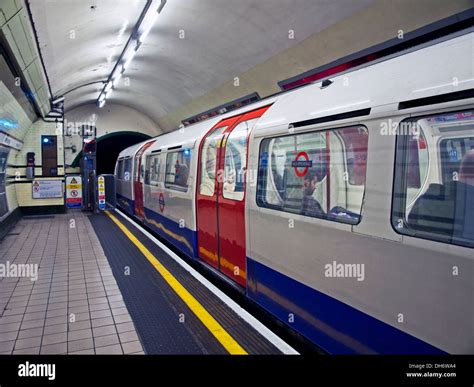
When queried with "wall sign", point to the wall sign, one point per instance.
{"points": [[74, 191], [101, 191], [47, 189]]}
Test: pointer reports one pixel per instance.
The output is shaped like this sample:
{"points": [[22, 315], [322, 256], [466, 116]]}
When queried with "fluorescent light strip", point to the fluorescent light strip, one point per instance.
{"points": [[116, 79], [148, 26], [129, 59], [130, 50]]}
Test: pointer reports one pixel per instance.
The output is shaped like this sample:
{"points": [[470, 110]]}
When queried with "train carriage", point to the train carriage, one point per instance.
{"points": [[344, 208]]}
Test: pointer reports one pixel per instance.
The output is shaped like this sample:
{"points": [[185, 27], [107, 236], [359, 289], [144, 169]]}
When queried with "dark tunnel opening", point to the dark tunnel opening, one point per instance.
{"points": [[109, 147]]}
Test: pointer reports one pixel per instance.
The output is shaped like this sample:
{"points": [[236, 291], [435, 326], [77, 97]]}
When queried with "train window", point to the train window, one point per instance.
{"points": [[318, 174], [434, 198], [208, 162], [177, 169], [127, 169], [152, 173], [235, 162], [119, 172]]}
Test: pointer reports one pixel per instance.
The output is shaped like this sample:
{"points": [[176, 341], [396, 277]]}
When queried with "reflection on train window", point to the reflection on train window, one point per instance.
{"points": [[434, 197], [152, 173], [177, 169], [236, 161], [208, 162], [319, 174]]}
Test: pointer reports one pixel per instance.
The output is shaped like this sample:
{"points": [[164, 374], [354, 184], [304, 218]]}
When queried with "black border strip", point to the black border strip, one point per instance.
{"points": [[448, 97], [334, 117]]}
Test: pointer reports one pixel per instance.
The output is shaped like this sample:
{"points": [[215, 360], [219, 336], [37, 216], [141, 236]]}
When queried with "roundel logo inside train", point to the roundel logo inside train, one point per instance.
{"points": [[161, 202], [301, 164]]}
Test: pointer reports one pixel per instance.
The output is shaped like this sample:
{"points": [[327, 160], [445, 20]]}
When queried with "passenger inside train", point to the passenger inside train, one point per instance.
{"points": [[332, 186], [177, 169], [309, 205]]}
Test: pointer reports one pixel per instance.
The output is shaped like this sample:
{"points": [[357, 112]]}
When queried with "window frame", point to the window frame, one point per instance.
{"points": [[399, 180], [335, 219]]}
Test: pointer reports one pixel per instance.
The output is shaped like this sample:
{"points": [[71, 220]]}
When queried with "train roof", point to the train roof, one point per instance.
{"points": [[384, 84], [187, 136], [406, 76], [130, 151]]}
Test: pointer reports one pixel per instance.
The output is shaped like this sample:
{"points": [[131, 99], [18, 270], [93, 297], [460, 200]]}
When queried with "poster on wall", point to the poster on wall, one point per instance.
{"points": [[74, 191], [47, 189]]}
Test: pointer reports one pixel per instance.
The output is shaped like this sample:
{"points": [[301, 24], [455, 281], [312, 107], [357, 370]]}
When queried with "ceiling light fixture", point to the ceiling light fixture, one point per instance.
{"points": [[116, 79], [140, 32]]}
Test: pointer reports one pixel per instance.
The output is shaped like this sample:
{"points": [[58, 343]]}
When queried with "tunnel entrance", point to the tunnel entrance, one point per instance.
{"points": [[108, 148]]}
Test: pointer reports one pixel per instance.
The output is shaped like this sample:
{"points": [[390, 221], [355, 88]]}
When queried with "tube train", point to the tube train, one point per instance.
{"points": [[345, 208]]}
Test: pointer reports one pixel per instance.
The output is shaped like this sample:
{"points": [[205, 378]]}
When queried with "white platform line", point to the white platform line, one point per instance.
{"points": [[284, 347]]}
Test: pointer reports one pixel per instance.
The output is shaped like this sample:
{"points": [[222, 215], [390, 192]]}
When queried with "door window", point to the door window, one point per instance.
{"points": [[208, 162], [235, 163]]}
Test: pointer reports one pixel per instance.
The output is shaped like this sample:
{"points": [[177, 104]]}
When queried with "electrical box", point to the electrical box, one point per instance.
{"points": [[30, 165]]}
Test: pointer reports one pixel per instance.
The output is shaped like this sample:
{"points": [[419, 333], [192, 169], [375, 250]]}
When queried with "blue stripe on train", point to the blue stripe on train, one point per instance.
{"points": [[126, 204], [181, 237], [331, 324]]}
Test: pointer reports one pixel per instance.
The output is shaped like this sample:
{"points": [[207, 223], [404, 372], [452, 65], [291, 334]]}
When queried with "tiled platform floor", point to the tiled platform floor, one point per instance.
{"points": [[75, 305]]}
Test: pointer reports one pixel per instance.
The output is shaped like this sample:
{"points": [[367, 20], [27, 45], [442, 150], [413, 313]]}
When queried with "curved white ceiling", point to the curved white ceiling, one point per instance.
{"points": [[81, 44]]}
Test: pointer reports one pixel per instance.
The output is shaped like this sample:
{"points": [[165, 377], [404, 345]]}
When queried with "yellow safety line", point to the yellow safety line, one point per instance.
{"points": [[202, 314]]}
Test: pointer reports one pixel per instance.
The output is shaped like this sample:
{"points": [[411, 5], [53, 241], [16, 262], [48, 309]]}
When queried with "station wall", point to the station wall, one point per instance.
{"points": [[381, 21], [113, 118], [16, 124]]}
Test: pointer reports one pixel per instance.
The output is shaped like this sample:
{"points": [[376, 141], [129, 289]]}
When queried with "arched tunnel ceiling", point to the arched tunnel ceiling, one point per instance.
{"points": [[80, 41]]}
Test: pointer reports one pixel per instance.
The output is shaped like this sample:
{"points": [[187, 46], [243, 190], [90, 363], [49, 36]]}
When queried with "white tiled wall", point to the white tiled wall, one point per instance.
{"points": [[20, 194]]}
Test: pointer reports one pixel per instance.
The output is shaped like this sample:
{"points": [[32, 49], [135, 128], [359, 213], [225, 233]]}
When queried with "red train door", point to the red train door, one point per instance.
{"points": [[207, 192], [221, 195], [138, 176]]}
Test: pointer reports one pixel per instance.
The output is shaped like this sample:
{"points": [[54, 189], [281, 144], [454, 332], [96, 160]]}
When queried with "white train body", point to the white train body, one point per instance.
{"points": [[341, 239]]}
